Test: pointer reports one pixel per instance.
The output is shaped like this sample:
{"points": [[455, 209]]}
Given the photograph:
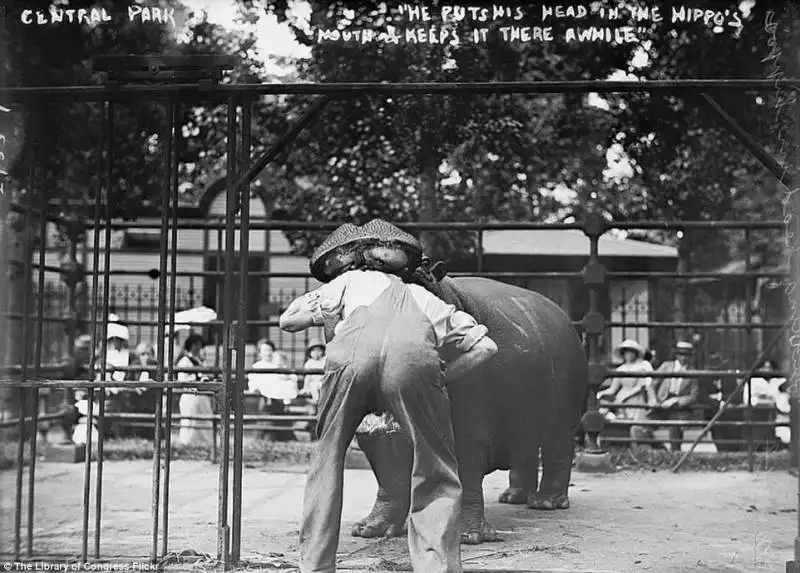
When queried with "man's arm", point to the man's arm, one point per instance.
{"points": [[310, 309], [690, 398]]}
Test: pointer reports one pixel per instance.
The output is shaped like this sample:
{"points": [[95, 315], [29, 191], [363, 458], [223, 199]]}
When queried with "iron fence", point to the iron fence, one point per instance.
{"points": [[24, 315]]}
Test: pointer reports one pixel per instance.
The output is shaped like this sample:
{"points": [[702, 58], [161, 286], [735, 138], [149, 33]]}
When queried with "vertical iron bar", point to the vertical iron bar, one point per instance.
{"points": [[26, 293], [105, 145], [37, 371], [794, 268], [162, 298], [173, 288], [241, 338], [223, 532], [748, 317], [98, 504], [480, 250]]}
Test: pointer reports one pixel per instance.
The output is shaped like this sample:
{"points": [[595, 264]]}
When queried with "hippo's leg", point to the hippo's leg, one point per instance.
{"points": [[390, 454], [471, 469], [522, 479], [557, 454]]}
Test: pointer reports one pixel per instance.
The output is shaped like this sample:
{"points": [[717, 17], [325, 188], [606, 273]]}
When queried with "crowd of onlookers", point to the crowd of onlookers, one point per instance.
{"points": [[123, 365], [680, 398], [624, 397]]}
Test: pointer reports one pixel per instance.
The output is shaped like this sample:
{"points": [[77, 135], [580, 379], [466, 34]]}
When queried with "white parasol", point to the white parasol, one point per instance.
{"points": [[197, 314]]}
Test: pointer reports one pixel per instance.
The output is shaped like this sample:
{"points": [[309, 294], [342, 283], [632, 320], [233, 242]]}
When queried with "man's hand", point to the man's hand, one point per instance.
{"points": [[483, 350]]}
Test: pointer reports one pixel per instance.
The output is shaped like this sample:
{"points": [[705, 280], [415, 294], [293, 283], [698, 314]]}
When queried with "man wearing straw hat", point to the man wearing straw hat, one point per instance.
{"points": [[384, 336], [672, 398]]}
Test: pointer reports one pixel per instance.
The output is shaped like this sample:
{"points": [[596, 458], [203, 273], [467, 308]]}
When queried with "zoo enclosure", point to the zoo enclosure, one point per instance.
{"points": [[200, 79]]}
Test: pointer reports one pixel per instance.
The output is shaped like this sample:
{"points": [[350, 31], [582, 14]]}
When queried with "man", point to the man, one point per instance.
{"points": [[383, 356], [671, 398]]}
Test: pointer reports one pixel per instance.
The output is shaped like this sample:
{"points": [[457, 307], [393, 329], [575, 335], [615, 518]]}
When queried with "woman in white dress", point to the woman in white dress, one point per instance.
{"points": [[272, 385], [194, 432], [628, 390]]}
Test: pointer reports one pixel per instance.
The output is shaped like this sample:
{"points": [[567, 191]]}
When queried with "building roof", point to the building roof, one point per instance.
{"points": [[568, 243]]}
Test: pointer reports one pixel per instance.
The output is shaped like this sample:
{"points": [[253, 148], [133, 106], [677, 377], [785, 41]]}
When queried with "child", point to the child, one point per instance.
{"points": [[312, 383]]}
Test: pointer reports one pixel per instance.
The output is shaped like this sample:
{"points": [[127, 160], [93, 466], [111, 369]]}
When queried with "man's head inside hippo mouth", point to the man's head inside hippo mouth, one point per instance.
{"points": [[378, 245]]}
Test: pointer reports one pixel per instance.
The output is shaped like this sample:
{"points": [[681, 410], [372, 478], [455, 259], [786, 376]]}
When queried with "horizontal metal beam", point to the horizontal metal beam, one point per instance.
{"points": [[488, 274], [373, 88], [263, 224], [43, 383], [577, 323]]}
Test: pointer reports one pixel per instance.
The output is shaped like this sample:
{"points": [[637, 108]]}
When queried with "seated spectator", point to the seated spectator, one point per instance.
{"points": [[315, 358], [627, 390], [763, 390], [671, 399], [783, 405], [146, 358], [194, 432], [273, 385], [117, 353]]}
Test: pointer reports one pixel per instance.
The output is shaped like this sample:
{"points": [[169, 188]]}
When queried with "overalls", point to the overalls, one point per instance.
{"points": [[384, 357]]}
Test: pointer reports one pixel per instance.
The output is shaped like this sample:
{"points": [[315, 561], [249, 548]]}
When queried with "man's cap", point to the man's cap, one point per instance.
{"points": [[322, 264], [682, 347]]}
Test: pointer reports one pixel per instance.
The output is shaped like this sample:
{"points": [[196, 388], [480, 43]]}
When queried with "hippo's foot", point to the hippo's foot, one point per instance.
{"points": [[477, 534], [514, 496], [548, 503], [383, 521]]}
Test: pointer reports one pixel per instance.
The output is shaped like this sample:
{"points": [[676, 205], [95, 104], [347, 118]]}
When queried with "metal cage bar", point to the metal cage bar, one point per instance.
{"points": [[173, 194], [109, 136], [241, 337], [162, 294], [223, 528], [373, 88]]}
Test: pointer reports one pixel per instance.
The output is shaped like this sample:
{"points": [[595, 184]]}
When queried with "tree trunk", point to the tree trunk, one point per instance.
{"points": [[18, 286], [428, 203]]}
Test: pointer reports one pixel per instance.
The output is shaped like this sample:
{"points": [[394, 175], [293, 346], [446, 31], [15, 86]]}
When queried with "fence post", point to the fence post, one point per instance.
{"points": [[594, 458]]}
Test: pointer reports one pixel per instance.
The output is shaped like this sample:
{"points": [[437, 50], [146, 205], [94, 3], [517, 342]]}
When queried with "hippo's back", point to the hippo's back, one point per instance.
{"points": [[512, 309]]}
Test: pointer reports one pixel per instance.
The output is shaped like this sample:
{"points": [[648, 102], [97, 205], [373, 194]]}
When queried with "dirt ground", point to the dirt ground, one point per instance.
{"points": [[628, 521]]}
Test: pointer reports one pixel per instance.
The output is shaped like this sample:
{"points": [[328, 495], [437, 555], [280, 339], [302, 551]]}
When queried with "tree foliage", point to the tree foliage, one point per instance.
{"points": [[479, 157]]}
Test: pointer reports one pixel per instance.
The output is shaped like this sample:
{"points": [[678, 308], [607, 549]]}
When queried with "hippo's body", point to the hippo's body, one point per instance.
{"points": [[527, 396]]}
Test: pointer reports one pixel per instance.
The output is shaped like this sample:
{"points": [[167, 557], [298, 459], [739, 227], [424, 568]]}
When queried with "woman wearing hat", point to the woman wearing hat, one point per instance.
{"points": [[192, 403], [384, 337], [315, 360], [628, 390]]}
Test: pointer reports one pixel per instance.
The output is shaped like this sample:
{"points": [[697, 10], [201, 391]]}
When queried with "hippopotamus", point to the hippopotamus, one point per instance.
{"points": [[528, 396]]}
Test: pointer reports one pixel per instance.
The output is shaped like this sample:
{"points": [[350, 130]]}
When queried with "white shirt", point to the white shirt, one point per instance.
{"points": [[352, 289], [272, 384]]}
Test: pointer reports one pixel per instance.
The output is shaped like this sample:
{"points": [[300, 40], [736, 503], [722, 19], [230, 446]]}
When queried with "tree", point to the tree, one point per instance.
{"points": [[66, 135], [463, 157]]}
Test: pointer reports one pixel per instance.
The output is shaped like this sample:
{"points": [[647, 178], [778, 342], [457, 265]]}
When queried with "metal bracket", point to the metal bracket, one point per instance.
{"points": [[597, 373], [205, 70], [593, 323], [594, 274]]}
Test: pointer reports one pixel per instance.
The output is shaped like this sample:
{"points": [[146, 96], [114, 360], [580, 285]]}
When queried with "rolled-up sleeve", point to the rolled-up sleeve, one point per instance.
{"points": [[327, 301], [463, 331], [454, 328]]}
